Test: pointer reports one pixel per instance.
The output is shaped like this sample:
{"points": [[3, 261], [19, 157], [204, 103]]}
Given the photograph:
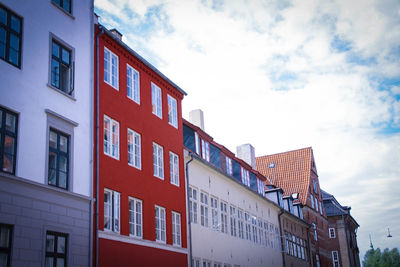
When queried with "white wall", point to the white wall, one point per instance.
{"points": [[26, 92], [220, 247]]}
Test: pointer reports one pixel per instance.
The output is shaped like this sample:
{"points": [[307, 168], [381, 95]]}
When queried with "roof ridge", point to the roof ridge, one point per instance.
{"points": [[289, 151]]}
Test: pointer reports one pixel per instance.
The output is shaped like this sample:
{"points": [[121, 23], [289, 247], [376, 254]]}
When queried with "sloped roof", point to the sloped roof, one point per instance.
{"points": [[334, 208], [289, 170]]}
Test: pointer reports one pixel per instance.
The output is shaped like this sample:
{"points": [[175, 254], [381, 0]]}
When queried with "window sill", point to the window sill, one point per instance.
{"points": [[158, 177], [61, 92], [116, 158], [62, 10], [133, 166], [116, 88]]}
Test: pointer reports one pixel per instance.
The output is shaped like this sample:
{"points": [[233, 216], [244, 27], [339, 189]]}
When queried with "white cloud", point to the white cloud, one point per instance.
{"points": [[266, 73]]}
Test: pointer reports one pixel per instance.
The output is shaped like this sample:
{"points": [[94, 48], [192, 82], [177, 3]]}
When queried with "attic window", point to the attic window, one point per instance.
{"points": [[271, 165], [295, 195]]}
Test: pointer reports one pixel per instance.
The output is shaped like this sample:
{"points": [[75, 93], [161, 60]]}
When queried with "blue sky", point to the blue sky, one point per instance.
{"points": [[283, 75]]}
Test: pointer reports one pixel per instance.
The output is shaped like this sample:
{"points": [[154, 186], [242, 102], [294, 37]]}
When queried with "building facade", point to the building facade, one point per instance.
{"points": [[342, 233], [296, 173], [231, 223], [139, 170], [45, 123]]}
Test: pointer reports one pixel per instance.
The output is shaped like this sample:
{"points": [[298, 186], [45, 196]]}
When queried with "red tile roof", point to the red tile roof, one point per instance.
{"points": [[290, 171]]}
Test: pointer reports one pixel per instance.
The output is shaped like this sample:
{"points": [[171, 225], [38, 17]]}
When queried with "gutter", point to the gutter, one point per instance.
{"points": [[281, 234], [97, 147], [188, 211]]}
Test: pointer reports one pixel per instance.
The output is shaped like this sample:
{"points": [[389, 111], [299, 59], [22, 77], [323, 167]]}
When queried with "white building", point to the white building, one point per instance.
{"points": [[231, 223], [46, 72]]}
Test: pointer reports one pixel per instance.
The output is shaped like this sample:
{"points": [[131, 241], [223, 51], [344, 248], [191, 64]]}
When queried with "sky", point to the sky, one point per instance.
{"points": [[283, 75]]}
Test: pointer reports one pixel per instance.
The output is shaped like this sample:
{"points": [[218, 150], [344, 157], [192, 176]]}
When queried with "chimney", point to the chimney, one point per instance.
{"points": [[116, 33], [247, 153], [196, 117]]}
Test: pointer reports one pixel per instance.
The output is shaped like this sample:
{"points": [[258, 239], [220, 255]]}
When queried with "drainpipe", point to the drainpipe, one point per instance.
{"points": [[97, 146], [188, 211], [282, 241]]}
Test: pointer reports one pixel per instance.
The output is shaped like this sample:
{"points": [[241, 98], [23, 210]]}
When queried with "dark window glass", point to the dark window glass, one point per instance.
{"points": [[64, 4], [8, 140], [188, 138], [58, 159], [10, 36], [215, 156], [253, 182], [56, 249], [236, 171], [5, 244], [61, 68]]}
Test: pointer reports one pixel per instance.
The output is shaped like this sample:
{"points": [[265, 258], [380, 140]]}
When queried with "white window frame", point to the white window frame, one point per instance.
{"points": [[320, 208], [172, 111], [260, 232], [247, 219], [316, 204], [205, 150], [335, 258], [132, 84], [176, 229], [332, 233], [228, 165], [160, 224], [156, 100], [312, 201], [214, 213], [232, 213], [224, 217], [197, 143], [266, 234], [315, 231], [158, 161], [112, 148], [245, 176], [135, 217], [135, 153], [113, 71], [260, 187], [193, 204], [254, 229], [240, 223], [174, 168], [113, 207], [204, 209]]}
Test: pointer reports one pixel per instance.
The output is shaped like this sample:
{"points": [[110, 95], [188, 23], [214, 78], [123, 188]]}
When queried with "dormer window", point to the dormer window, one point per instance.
{"points": [[315, 187]]}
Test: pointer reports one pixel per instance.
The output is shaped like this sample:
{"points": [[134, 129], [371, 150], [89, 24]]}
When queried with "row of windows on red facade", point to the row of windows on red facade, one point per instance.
{"points": [[111, 148], [315, 204], [111, 77], [112, 218], [202, 148], [241, 223], [295, 246]]}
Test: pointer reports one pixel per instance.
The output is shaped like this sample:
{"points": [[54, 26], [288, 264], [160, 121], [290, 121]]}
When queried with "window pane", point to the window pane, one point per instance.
{"points": [[15, 23], [10, 122], [9, 145], [61, 244], [65, 56], [62, 164], [4, 237], [62, 178], [64, 143], [49, 262], [56, 50], [2, 43], [53, 140], [55, 73], [67, 7], [60, 262], [3, 16], [50, 241]]}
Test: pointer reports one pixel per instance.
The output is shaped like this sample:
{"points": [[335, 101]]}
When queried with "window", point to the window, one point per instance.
{"points": [[271, 233], [111, 68], [158, 161], [197, 142], [193, 204], [228, 166], [176, 229], [214, 213], [134, 149], [245, 176], [260, 187], [316, 204], [254, 227], [111, 137], [135, 217], [195, 263], [172, 112], [260, 232], [335, 258], [248, 226], [174, 168], [8, 140], [317, 260], [5, 244], [205, 150], [224, 218], [133, 84], [332, 233], [111, 210], [277, 239], [62, 71], [204, 209], [160, 224], [56, 249], [312, 201], [233, 220], [240, 224], [206, 263], [320, 208], [266, 234], [10, 36], [156, 100], [294, 245], [64, 4], [315, 231], [58, 159], [315, 186]]}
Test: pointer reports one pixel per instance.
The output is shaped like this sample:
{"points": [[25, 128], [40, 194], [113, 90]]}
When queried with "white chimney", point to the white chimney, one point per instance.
{"points": [[247, 153], [116, 33], [196, 117]]}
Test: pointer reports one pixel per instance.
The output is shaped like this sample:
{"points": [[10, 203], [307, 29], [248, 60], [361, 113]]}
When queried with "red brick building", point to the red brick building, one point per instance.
{"points": [[139, 180], [296, 173]]}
